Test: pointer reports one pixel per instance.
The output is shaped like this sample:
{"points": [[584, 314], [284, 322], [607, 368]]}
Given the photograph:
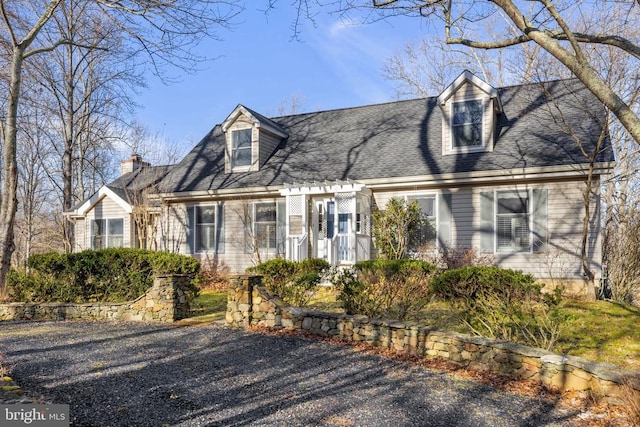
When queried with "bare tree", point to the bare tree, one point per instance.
{"points": [[552, 25], [427, 66], [165, 31], [34, 191], [152, 147]]}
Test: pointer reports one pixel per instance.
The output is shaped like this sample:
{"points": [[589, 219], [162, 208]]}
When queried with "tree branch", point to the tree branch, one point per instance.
{"points": [[566, 30], [603, 39], [62, 43], [44, 18], [5, 18]]}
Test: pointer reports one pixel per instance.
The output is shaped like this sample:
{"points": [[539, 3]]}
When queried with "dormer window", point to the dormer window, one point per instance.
{"points": [[250, 140], [470, 108], [241, 148], [466, 124]]}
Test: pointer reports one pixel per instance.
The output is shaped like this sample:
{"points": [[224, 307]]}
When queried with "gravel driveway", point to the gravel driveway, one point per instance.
{"points": [[132, 374]]}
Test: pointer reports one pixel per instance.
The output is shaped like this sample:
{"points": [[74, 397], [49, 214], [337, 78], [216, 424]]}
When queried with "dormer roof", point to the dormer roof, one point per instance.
{"points": [[259, 121], [468, 76]]}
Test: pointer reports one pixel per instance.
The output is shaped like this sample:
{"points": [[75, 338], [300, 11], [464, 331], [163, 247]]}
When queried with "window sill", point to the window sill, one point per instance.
{"points": [[466, 150], [241, 169], [513, 251]]}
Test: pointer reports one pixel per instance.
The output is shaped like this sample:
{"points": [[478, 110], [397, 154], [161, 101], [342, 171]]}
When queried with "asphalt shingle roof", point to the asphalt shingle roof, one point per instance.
{"points": [[404, 139], [131, 184]]}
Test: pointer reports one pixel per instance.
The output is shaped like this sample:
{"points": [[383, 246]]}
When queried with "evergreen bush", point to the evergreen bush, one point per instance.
{"points": [[107, 275]]}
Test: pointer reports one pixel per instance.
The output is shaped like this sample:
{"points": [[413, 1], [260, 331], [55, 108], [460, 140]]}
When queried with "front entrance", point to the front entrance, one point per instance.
{"points": [[323, 228], [328, 221]]}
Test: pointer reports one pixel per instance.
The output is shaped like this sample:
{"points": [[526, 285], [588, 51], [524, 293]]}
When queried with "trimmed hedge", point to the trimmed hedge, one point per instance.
{"points": [[107, 275]]}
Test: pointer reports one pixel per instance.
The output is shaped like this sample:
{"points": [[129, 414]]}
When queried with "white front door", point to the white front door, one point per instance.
{"points": [[323, 231]]}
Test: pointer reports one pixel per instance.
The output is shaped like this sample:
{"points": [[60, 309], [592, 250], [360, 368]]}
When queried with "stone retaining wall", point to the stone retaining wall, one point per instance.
{"points": [[166, 301], [250, 304]]}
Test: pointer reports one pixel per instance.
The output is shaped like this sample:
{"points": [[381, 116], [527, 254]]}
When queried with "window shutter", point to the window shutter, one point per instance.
{"points": [[539, 222], [281, 228], [248, 229], [444, 220], [220, 229], [191, 229], [487, 235]]}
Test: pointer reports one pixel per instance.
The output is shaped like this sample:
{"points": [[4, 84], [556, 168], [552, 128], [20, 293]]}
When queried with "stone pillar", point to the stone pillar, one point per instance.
{"points": [[167, 300], [240, 299]]}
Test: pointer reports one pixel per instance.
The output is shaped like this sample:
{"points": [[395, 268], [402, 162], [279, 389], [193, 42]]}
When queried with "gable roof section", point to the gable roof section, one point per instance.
{"points": [[124, 190], [399, 140], [468, 76], [104, 191], [258, 120]]}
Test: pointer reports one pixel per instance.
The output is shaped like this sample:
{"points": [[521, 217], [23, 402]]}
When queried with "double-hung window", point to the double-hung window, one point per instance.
{"points": [[466, 124], [205, 234], [512, 221], [204, 230], [107, 233], [264, 226], [424, 237], [241, 148]]}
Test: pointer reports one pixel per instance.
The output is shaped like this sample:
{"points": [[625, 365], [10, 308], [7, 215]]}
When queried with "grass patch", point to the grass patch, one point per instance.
{"points": [[209, 305], [325, 300], [602, 331]]}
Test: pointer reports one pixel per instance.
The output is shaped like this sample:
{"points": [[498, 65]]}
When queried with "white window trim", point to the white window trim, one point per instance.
{"points": [[107, 234], [266, 250], [451, 149], [245, 168], [497, 250], [194, 233], [436, 201]]}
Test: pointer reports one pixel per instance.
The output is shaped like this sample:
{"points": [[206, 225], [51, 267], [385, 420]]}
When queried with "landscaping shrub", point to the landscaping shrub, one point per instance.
{"points": [[214, 274], [293, 281], [109, 275], [397, 289], [500, 303], [454, 257], [392, 228]]}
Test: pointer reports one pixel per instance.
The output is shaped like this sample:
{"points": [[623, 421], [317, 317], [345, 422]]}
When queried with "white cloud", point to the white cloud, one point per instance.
{"points": [[356, 54]]}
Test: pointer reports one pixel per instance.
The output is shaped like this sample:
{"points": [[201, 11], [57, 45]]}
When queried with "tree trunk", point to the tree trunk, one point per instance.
{"points": [[9, 202]]}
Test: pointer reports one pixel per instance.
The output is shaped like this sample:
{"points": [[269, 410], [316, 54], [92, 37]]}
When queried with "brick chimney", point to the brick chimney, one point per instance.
{"points": [[135, 162]]}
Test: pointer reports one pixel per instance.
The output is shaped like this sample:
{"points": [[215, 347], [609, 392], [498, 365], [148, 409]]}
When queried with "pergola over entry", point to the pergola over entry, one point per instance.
{"points": [[329, 220]]}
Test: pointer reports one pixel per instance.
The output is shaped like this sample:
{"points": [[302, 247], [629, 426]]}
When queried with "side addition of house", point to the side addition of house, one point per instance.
{"points": [[120, 214]]}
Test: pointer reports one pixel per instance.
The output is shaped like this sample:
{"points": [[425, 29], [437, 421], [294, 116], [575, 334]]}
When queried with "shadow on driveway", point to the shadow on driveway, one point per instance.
{"points": [[131, 374]]}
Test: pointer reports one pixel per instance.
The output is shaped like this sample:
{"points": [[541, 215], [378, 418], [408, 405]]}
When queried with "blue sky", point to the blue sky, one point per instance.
{"points": [[336, 65]]}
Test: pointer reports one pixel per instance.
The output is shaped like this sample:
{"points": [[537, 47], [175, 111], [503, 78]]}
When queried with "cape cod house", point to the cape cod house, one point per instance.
{"points": [[495, 169]]}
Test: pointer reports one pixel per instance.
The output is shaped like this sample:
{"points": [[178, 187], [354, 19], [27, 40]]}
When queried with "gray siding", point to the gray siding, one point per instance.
{"points": [[268, 144], [236, 255], [80, 235], [104, 209], [560, 259]]}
